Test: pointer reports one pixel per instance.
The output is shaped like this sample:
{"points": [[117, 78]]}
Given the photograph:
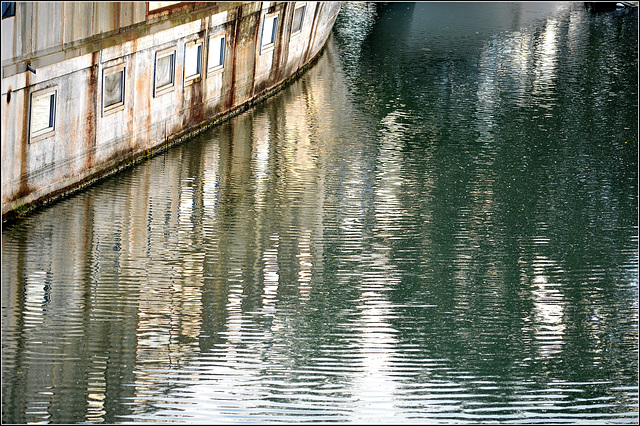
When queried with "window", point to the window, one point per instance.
{"points": [[192, 60], [113, 89], [165, 71], [298, 17], [8, 9], [43, 114], [269, 32], [216, 52]]}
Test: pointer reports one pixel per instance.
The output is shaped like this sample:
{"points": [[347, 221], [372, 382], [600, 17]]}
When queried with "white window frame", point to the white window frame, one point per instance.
{"points": [[52, 94], [273, 19], [160, 54], [197, 44], [118, 106], [298, 6], [221, 40]]}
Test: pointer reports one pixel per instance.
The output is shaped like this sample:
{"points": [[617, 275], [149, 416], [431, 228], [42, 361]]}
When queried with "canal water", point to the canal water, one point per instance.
{"points": [[437, 223]]}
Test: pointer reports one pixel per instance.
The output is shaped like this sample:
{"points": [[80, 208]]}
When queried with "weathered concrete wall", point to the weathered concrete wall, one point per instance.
{"points": [[87, 140]]}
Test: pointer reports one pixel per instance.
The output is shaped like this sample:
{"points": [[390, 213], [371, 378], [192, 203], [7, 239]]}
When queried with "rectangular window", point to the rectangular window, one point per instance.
{"points": [[43, 114], [165, 71], [113, 81], [298, 18], [269, 32], [216, 52], [192, 60]]}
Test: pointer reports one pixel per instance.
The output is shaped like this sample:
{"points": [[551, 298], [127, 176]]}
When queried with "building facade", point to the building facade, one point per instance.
{"points": [[91, 87]]}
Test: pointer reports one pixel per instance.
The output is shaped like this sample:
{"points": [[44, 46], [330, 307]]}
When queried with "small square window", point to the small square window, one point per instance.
{"points": [[192, 61], [298, 18], [165, 71], [269, 32], [216, 52], [113, 89], [43, 114]]}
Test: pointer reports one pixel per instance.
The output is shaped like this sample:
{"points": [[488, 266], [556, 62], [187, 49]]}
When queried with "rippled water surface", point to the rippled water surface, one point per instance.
{"points": [[437, 223]]}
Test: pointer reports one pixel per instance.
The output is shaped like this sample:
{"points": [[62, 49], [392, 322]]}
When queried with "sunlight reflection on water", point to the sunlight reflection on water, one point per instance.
{"points": [[431, 225]]}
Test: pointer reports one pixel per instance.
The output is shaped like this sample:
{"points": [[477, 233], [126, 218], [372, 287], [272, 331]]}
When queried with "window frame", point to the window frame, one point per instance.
{"points": [[169, 87], [117, 106], [221, 38], [52, 94], [297, 7], [266, 47], [188, 79]]}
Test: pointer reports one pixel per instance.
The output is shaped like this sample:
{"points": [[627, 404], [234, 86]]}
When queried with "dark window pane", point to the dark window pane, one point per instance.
{"points": [[298, 15], [273, 30], [113, 88], [8, 9]]}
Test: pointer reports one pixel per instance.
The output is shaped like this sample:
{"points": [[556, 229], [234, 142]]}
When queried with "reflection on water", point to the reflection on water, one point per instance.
{"points": [[437, 223]]}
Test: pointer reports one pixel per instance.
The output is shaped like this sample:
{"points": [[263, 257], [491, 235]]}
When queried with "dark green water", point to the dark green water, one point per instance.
{"points": [[438, 223]]}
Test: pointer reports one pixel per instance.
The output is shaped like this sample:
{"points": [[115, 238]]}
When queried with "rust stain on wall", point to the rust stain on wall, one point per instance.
{"points": [[277, 55], [257, 42], [142, 105], [23, 188], [195, 108], [314, 25], [234, 60], [116, 14], [90, 120]]}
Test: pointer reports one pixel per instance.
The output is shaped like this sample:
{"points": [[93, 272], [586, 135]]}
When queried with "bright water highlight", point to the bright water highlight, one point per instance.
{"points": [[437, 223]]}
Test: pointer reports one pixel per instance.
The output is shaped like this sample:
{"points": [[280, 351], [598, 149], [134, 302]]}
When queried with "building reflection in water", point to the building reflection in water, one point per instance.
{"points": [[276, 253]]}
